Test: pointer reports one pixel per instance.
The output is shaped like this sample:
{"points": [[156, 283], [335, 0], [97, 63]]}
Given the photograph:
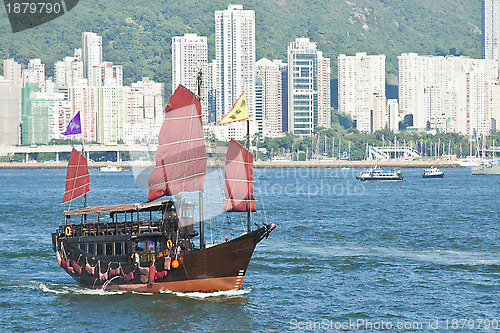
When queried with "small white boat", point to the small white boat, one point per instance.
{"points": [[111, 168], [433, 172]]}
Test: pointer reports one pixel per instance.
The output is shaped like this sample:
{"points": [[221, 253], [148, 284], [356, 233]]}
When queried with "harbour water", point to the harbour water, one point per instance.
{"points": [[421, 255]]}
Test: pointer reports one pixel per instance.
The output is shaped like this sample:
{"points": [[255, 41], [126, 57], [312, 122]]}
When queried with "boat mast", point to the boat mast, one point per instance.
{"points": [[199, 80], [249, 217], [85, 195]]}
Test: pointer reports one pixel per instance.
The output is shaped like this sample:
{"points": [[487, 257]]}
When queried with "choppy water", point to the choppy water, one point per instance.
{"points": [[345, 255]]}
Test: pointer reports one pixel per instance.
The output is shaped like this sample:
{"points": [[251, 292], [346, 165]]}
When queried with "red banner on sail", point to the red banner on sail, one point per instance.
{"points": [[77, 177], [181, 158], [239, 179]]}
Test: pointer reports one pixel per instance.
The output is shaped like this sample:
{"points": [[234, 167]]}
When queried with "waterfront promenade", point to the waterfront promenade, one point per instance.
{"points": [[424, 163]]}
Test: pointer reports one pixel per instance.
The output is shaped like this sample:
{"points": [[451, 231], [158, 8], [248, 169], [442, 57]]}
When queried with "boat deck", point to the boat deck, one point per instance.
{"points": [[111, 228]]}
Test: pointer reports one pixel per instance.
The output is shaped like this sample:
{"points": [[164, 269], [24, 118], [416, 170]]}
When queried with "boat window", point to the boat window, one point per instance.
{"points": [[118, 249], [127, 248], [139, 246], [109, 249], [91, 249], [100, 249], [151, 246]]}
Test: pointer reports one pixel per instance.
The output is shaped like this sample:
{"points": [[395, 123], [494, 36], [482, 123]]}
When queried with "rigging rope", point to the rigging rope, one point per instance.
{"points": [[262, 200]]}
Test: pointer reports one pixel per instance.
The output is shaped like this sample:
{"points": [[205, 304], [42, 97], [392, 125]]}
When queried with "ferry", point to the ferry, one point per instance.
{"points": [[433, 172], [379, 175]]}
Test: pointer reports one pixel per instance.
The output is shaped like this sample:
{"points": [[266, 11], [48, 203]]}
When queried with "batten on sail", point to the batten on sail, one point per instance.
{"points": [[181, 158], [77, 177], [239, 179]]}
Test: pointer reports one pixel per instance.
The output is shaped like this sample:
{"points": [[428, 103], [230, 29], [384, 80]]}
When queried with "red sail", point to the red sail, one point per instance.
{"points": [[239, 179], [181, 158], [77, 177]]}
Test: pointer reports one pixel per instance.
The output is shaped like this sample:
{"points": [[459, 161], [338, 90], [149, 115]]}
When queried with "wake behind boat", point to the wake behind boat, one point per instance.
{"points": [[148, 246], [380, 175]]}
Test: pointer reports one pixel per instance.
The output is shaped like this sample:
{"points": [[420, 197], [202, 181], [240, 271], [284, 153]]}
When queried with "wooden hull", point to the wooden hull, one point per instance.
{"points": [[199, 285], [217, 268]]}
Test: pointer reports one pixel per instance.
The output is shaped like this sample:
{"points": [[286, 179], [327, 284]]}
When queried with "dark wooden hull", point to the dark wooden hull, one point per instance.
{"points": [[441, 175], [217, 268]]}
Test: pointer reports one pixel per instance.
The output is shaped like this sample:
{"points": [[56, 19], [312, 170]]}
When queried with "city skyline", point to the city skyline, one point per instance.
{"points": [[92, 44]]}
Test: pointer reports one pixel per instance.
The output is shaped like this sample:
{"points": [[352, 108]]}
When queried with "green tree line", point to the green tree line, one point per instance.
{"points": [[342, 140], [138, 35]]}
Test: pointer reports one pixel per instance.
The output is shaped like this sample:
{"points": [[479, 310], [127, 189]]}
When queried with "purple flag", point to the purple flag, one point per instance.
{"points": [[74, 126]]}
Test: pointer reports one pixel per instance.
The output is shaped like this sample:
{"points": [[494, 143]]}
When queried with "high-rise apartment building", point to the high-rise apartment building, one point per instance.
{"points": [[111, 113], [491, 28], [35, 73], [259, 110], [9, 113], [324, 94], [41, 116], [209, 80], [143, 111], [68, 72], [393, 114], [91, 52], [189, 57], [10, 104], [448, 94], [362, 90], [308, 102], [12, 72], [284, 97], [493, 105], [83, 99], [235, 59], [107, 74], [269, 100], [379, 117]]}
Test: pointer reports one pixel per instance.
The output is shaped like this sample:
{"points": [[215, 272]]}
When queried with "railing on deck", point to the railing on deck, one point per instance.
{"points": [[111, 228]]}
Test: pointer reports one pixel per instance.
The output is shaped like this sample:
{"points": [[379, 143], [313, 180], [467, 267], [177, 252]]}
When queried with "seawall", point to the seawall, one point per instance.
{"points": [[258, 164]]}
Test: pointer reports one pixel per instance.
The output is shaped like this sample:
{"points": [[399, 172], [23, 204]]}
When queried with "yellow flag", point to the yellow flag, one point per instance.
{"points": [[238, 112]]}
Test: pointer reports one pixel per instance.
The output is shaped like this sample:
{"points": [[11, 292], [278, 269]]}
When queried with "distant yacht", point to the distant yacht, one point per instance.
{"points": [[469, 161], [487, 168], [111, 168], [280, 159], [379, 175], [433, 172]]}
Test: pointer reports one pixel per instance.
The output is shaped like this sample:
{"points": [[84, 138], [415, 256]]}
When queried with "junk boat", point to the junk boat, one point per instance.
{"points": [[149, 246], [433, 172], [379, 175]]}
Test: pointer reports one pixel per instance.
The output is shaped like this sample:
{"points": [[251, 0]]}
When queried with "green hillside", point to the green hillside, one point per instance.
{"points": [[138, 35]]}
